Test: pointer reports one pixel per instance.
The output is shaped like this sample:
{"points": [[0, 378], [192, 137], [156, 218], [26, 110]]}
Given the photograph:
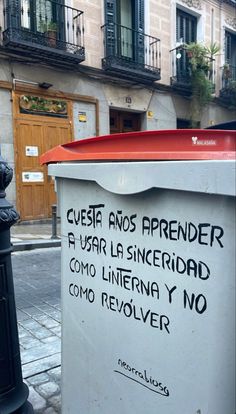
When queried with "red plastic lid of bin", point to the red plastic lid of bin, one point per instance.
{"points": [[180, 144]]}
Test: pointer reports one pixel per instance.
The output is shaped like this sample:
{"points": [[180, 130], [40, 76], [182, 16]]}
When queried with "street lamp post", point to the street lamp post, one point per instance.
{"points": [[13, 392]]}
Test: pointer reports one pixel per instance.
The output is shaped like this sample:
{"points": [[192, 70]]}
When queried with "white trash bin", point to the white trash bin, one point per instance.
{"points": [[148, 272]]}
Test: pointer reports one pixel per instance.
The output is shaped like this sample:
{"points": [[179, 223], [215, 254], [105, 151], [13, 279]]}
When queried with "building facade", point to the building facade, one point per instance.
{"points": [[75, 69]]}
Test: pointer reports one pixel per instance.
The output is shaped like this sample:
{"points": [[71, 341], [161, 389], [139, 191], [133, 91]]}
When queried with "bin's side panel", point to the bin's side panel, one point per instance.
{"points": [[148, 301], [136, 177]]}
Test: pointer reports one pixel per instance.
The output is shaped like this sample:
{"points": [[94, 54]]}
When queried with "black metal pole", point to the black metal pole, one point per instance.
{"points": [[54, 222], [13, 392]]}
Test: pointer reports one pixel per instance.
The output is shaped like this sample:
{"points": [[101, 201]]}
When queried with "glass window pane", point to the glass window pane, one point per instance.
{"points": [[126, 28], [44, 15], [25, 14]]}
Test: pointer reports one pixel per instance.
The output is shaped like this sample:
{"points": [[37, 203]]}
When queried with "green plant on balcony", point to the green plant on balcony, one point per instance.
{"points": [[201, 72], [232, 87], [228, 93], [226, 72], [49, 28]]}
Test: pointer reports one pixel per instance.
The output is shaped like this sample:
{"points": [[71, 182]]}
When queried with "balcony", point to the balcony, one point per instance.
{"points": [[130, 54], [228, 86], [181, 70], [44, 31], [183, 78]]}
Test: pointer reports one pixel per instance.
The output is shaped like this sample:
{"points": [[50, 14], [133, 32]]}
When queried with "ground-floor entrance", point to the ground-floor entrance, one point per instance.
{"points": [[122, 121], [34, 135]]}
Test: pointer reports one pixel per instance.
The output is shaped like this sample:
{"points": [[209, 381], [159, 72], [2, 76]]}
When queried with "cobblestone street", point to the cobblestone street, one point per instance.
{"points": [[37, 292]]}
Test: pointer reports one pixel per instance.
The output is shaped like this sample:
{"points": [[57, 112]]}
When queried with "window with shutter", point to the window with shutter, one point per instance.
{"points": [[111, 28], [141, 15], [186, 27], [227, 47], [230, 53], [41, 16], [230, 48], [139, 22], [13, 13], [186, 32], [30, 25], [125, 29]]}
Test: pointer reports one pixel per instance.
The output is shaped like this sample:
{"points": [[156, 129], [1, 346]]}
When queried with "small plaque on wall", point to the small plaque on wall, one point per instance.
{"points": [[82, 117], [31, 151], [32, 177]]}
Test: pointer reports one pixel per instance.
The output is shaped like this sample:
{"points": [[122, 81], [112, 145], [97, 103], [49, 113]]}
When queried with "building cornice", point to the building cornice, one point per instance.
{"points": [[232, 2], [231, 22], [196, 4]]}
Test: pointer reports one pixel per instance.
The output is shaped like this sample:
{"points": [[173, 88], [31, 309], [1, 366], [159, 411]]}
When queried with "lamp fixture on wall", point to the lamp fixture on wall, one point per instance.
{"points": [[178, 48], [43, 85]]}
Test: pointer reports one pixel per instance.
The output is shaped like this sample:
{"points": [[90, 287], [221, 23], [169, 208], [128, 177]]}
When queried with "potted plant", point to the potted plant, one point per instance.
{"points": [[50, 30], [226, 75], [226, 71], [201, 72]]}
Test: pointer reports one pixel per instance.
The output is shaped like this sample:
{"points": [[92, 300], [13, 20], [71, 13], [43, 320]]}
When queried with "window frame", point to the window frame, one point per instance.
{"points": [[112, 18]]}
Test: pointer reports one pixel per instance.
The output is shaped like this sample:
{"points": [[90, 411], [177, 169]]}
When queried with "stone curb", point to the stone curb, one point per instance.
{"points": [[35, 244]]}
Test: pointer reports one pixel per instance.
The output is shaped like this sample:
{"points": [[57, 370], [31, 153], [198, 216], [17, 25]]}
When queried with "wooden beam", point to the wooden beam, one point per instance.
{"points": [[5, 85]]}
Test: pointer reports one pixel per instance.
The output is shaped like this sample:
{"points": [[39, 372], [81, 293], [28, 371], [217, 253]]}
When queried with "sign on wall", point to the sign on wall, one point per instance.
{"points": [[35, 176], [82, 117], [38, 105], [31, 151]]}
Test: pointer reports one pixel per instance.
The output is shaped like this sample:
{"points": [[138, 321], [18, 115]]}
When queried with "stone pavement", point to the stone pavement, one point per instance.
{"points": [[35, 235], [36, 276]]}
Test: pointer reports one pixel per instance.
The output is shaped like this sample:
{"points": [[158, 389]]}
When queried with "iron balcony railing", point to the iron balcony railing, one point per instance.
{"points": [[131, 51], [181, 69], [44, 26], [228, 76], [228, 85], [181, 72]]}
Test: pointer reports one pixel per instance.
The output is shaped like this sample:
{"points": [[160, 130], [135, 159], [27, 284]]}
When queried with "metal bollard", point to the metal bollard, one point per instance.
{"points": [[54, 222], [13, 392]]}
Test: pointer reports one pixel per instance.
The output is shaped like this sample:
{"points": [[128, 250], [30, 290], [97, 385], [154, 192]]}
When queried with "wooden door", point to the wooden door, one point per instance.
{"points": [[35, 188], [121, 121], [31, 188], [55, 135], [35, 135]]}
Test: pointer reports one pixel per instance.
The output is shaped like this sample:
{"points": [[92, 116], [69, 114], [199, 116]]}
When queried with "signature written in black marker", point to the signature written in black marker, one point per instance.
{"points": [[142, 378]]}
